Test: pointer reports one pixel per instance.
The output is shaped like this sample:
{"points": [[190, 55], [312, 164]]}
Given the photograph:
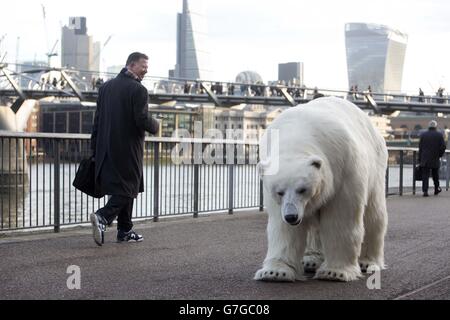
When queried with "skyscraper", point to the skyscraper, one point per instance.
{"points": [[375, 56], [193, 57], [78, 50], [291, 72]]}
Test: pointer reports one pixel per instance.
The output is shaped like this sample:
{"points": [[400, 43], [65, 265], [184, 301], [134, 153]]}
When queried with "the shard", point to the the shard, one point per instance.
{"points": [[193, 57]]}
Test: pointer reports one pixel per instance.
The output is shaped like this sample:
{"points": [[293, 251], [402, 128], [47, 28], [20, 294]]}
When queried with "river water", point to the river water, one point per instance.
{"points": [[30, 202]]}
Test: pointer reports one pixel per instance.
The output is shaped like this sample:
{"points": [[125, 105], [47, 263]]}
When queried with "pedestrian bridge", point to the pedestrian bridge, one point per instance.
{"points": [[68, 84]]}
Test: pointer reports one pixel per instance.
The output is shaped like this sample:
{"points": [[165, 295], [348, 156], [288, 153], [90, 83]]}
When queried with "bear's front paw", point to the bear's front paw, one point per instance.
{"points": [[312, 263], [343, 275], [371, 266], [275, 274]]}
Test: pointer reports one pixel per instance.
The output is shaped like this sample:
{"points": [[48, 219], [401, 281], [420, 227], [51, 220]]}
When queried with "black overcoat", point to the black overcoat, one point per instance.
{"points": [[118, 135], [431, 149]]}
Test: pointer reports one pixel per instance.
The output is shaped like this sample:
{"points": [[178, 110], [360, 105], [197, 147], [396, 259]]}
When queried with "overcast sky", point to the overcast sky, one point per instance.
{"points": [[244, 34]]}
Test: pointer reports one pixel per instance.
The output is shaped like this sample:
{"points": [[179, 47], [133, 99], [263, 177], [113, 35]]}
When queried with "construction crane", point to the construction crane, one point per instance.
{"points": [[100, 50], [50, 53], [107, 40], [2, 38], [45, 24], [103, 47], [17, 53]]}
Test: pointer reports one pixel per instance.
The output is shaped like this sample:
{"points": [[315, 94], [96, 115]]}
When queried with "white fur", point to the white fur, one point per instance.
{"points": [[17, 122], [330, 148]]}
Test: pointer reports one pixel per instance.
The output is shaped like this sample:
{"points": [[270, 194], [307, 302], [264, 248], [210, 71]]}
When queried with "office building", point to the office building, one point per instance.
{"points": [[375, 57], [291, 73], [78, 49], [247, 122]]}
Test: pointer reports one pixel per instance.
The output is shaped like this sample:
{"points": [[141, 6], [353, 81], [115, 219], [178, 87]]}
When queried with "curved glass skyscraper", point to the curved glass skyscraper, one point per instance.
{"points": [[375, 56], [193, 57]]}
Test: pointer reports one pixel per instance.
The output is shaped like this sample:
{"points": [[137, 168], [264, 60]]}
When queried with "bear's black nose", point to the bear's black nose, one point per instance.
{"points": [[291, 218]]}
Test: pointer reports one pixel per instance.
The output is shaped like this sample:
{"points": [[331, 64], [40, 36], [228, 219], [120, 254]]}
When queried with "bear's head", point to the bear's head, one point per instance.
{"points": [[298, 187]]}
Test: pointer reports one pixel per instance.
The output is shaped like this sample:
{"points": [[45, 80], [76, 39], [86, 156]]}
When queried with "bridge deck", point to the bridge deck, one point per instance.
{"points": [[383, 107], [215, 257]]}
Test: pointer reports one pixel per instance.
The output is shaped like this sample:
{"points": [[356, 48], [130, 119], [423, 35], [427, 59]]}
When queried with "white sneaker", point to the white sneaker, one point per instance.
{"points": [[98, 229]]}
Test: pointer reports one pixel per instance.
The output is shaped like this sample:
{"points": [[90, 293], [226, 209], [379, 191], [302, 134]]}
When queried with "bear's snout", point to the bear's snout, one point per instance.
{"points": [[292, 219], [291, 214]]}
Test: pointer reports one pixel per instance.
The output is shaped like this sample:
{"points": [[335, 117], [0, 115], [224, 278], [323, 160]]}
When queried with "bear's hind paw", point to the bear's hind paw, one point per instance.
{"points": [[337, 275], [311, 263]]}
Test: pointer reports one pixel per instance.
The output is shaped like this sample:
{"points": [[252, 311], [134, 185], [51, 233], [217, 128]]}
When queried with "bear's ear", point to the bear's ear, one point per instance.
{"points": [[316, 162]]}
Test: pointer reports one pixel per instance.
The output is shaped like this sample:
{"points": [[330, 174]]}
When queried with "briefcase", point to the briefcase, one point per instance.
{"points": [[418, 173], [85, 179]]}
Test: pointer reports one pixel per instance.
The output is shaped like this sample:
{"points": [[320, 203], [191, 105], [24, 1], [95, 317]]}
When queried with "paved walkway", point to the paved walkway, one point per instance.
{"points": [[215, 257]]}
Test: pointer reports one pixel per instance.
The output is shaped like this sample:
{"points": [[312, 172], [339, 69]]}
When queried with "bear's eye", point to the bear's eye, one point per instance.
{"points": [[301, 191], [280, 193]]}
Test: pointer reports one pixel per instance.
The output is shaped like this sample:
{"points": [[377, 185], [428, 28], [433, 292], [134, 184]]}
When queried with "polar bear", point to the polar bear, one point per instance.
{"points": [[324, 186]]}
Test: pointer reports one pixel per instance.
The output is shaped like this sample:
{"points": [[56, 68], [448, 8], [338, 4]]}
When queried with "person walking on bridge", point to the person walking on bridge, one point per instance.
{"points": [[431, 149], [421, 95], [117, 143]]}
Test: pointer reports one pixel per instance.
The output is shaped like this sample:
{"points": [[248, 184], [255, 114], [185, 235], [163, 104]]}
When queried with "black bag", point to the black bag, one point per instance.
{"points": [[418, 173], [85, 178]]}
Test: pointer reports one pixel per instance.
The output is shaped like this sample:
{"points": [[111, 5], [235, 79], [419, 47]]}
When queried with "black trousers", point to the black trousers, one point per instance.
{"points": [[426, 178], [121, 208]]}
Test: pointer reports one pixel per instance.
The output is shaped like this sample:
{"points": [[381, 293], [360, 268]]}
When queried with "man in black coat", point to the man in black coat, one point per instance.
{"points": [[431, 149], [117, 143]]}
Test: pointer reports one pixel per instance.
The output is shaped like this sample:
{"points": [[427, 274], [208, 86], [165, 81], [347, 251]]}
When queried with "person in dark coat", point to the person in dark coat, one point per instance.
{"points": [[117, 143], [421, 95], [431, 149]]}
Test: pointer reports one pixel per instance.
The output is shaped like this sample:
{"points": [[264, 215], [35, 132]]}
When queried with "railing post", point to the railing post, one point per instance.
{"points": [[414, 172], [198, 161], [261, 195], [447, 178], [230, 188], [401, 173], [56, 199], [196, 189], [156, 165], [261, 184]]}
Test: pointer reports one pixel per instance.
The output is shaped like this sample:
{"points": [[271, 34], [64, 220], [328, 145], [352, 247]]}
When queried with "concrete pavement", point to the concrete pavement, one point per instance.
{"points": [[215, 257]]}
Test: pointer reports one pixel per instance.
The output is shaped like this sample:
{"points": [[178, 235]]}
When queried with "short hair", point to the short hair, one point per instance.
{"points": [[135, 57], [433, 124]]}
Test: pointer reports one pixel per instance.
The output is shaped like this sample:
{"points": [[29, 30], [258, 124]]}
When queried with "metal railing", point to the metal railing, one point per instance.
{"points": [[37, 170], [400, 177]]}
